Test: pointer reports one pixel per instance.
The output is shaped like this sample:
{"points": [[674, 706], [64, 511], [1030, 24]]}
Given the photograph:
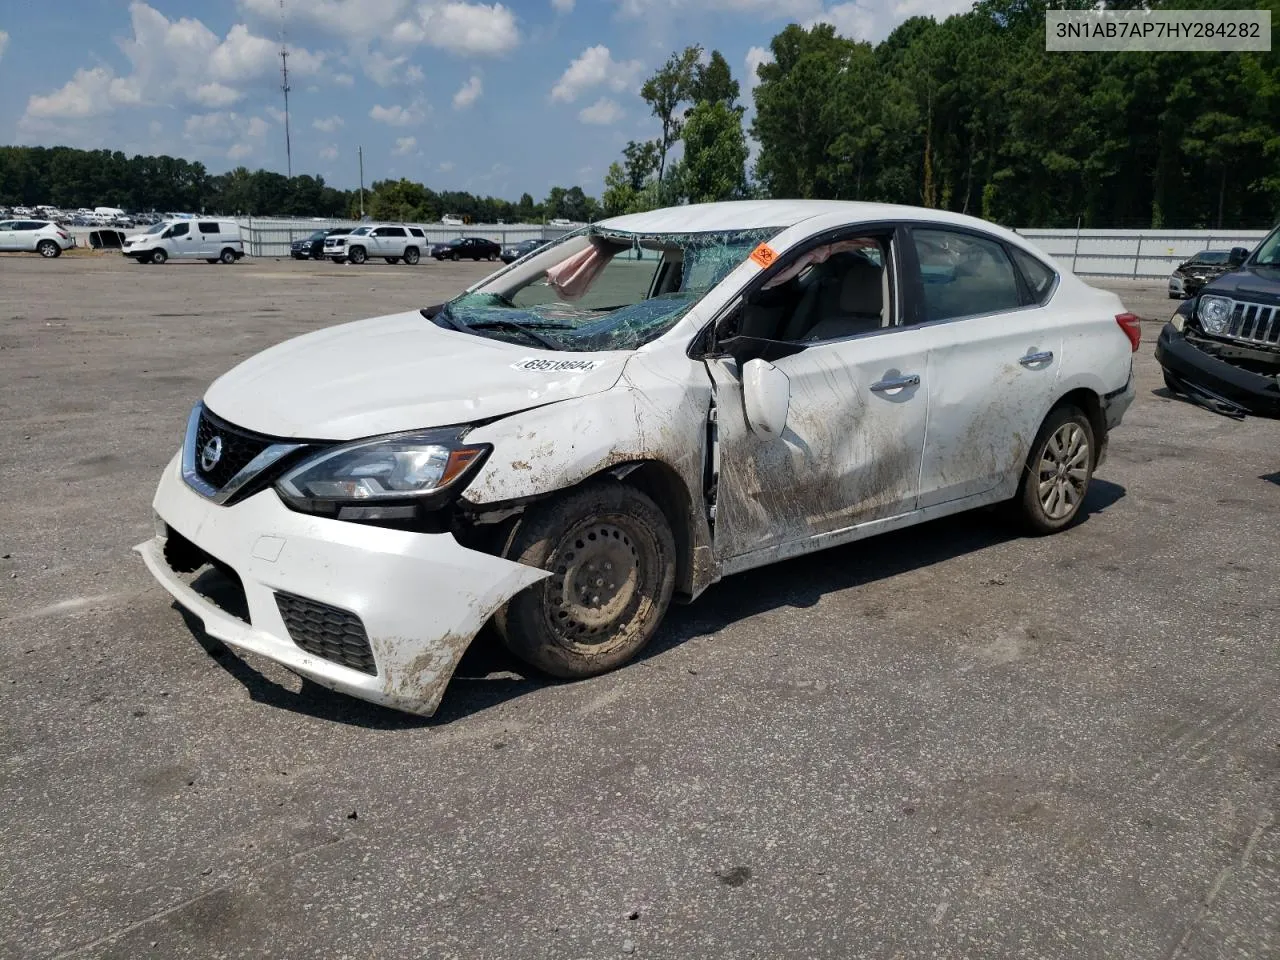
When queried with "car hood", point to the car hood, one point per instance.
{"points": [[1256, 283], [399, 372]]}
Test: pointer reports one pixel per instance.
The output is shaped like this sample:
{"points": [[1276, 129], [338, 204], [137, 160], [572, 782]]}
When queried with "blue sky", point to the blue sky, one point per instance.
{"points": [[494, 98]]}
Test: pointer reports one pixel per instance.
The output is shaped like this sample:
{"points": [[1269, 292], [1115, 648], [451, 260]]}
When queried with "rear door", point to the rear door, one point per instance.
{"points": [[994, 359], [391, 241], [209, 238], [7, 234]]}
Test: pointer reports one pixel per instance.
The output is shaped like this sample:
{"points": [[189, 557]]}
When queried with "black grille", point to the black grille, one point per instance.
{"points": [[336, 635], [239, 447]]}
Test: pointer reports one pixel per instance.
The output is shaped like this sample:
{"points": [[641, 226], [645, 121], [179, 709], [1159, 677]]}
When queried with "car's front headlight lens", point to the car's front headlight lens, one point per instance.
{"points": [[391, 475], [1214, 312]]}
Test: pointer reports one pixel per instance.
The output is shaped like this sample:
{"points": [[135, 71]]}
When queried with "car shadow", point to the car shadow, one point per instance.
{"points": [[488, 675]]}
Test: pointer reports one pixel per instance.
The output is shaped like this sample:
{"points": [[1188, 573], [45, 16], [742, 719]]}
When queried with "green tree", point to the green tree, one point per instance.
{"points": [[714, 83], [665, 91], [715, 153]]}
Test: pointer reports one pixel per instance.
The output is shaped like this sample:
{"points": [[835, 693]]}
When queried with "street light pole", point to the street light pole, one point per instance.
{"points": [[360, 152]]}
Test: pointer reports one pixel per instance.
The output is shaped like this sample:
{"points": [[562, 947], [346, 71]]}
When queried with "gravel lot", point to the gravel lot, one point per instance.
{"points": [[947, 742]]}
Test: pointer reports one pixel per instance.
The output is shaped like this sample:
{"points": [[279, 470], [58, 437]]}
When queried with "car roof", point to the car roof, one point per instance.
{"points": [[758, 214]]}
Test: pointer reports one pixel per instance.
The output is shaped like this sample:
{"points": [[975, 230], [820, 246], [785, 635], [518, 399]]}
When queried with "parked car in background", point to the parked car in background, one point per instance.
{"points": [[217, 241], [1222, 347], [572, 442], [393, 242], [35, 236], [452, 220], [515, 252], [466, 248], [1193, 274], [312, 247]]}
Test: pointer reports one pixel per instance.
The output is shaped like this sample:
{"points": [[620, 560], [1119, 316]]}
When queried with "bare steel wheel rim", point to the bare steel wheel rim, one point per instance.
{"points": [[595, 586], [1064, 471]]}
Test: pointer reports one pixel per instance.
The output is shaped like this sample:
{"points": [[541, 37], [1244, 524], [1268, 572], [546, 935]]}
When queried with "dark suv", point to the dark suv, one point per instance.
{"points": [[1222, 347], [312, 247]]}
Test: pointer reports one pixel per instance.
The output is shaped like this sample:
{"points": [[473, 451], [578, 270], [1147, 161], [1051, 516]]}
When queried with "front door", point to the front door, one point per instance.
{"points": [[854, 435], [993, 363], [182, 241]]}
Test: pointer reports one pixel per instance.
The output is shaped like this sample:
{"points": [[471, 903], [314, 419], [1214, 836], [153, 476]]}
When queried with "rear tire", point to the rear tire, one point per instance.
{"points": [[228, 256], [612, 557], [357, 255], [1056, 477], [48, 249], [159, 256], [411, 256]]}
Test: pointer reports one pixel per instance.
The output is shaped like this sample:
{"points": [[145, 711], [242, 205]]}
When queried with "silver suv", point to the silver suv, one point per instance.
{"points": [[393, 242]]}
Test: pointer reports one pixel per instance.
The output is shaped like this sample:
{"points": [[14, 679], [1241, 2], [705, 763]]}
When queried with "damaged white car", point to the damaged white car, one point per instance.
{"points": [[625, 416]]}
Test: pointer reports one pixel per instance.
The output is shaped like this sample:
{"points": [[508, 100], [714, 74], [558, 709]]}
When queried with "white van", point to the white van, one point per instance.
{"points": [[211, 240]]}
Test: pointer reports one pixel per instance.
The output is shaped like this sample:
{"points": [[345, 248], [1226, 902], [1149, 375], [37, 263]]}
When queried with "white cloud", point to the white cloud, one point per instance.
{"points": [[562, 6], [596, 67], [468, 93], [343, 79], [163, 54], [445, 166], [329, 153], [755, 57], [238, 151], [404, 145], [602, 113], [222, 126], [400, 116], [4, 42], [390, 71], [215, 95], [327, 124], [468, 29]]}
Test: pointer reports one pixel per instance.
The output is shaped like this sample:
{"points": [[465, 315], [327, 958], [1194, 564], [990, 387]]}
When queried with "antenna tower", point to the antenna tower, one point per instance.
{"points": [[284, 87]]}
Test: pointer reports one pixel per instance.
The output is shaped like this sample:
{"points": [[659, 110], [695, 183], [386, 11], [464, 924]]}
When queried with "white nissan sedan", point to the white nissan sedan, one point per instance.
{"points": [[625, 416]]}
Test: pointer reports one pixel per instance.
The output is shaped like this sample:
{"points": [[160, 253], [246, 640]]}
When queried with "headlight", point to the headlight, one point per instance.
{"points": [[339, 243], [1214, 312], [380, 479]]}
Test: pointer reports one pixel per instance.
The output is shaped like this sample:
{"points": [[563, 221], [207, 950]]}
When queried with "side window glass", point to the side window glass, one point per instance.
{"points": [[963, 275], [1038, 276], [838, 290], [209, 228], [181, 229]]}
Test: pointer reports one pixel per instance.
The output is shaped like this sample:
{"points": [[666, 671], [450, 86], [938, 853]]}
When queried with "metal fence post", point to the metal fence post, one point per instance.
{"points": [[1136, 257], [1076, 250]]}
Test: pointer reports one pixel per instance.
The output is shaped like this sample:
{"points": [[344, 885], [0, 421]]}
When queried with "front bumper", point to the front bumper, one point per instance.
{"points": [[421, 597], [1186, 362]]}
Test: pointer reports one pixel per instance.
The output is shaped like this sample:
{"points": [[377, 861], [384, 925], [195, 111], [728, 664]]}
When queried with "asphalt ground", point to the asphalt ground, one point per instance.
{"points": [[947, 742]]}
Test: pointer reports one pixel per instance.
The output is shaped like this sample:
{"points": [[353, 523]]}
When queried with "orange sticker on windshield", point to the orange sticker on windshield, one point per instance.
{"points": [[764, 255]]}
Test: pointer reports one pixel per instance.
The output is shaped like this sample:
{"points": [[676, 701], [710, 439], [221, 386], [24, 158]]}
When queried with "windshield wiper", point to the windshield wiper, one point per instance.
{"points": [[529, 331]]}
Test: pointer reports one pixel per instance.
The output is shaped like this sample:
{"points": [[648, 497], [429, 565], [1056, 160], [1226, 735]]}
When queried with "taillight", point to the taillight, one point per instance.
{"points": [[1132, 327], [63, 235]]}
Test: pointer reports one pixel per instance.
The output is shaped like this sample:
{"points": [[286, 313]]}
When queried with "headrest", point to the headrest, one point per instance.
{"points": [[860, 288]]}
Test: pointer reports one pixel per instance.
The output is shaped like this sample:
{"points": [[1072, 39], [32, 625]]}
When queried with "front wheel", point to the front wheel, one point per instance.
{"points": [[357, 255], [1058, 472], [411, 256], [158, 255], [612, 559], [48, 249]]}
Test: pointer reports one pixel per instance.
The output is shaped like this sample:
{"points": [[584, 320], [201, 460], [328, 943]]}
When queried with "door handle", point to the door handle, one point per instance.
{"points": [[897, 383], [1035, 359]]}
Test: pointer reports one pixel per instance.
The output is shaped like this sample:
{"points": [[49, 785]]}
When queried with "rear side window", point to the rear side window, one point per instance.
{"points": [[1039, 277], [209, 227], [392, 231], [416, 232], [963, 275]]}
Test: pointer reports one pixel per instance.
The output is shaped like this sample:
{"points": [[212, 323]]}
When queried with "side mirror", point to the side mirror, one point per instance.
{"points": [[1238, 256], [766, 397]]}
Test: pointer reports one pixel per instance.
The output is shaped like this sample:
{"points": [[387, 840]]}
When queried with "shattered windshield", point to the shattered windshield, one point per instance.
{"points": [[602, 290]]}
